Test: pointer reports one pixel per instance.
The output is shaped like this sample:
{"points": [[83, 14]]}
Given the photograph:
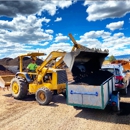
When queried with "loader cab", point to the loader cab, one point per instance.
{"points": [[22, 71]]}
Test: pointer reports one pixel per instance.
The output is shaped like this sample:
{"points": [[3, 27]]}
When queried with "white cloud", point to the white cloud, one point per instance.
{"points": [[95, 34], [56, 47], [13, 8], [22, 31], [44, 44], [90, 43], [108, 9], [64, 3], [119, 34], [115, 25], [25, 30], [45, 20], [49, 31], [29, 7], [115, 43], [58, 19], [61, 38]]}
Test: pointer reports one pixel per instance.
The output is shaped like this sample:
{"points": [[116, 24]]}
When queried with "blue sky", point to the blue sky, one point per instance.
{"points": [[30, 26]]}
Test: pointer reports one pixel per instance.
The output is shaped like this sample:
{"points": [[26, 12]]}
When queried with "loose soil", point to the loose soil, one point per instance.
{"points": [[28, 114]]}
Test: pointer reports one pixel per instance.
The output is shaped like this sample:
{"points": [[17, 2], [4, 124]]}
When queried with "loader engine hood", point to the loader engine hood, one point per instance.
{"points": [[84, 62]]}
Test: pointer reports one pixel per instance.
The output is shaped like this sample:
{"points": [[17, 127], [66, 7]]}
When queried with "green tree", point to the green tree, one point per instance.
{"points": [[112, 58]]}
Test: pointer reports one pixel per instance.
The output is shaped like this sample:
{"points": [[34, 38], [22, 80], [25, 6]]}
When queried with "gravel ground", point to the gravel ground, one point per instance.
{"points": [[28, 114]]}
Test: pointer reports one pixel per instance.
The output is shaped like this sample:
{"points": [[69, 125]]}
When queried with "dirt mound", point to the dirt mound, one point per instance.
{"points": [[15, 61], [5, 61], [6, 72], [7, 64], [125, 64], [2, 68]]}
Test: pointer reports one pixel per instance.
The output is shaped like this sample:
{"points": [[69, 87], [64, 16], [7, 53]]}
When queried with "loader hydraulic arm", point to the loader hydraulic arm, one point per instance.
{"points": [[76, 45], [52, 56], [59, 63]]}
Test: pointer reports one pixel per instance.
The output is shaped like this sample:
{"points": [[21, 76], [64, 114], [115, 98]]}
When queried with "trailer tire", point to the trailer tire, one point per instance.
{"points": [[19, 88], [43, 96], [117, 107], [64, 94]]}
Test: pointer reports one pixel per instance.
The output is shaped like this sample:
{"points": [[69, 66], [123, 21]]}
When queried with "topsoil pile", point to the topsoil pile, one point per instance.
{"points": [[125, 64]]}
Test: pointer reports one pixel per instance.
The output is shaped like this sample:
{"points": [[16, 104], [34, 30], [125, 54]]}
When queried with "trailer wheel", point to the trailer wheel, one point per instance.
{"points": [[64, 94], [19, 88], [117, 107], [43, 96]]}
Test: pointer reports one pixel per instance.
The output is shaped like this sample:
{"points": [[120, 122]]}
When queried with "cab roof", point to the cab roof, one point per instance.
{"points": [[32, 54]]}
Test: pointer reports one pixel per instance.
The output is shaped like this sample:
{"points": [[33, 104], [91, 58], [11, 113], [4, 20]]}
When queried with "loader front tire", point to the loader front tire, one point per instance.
{"points": [[19, 88], [43, 96]]}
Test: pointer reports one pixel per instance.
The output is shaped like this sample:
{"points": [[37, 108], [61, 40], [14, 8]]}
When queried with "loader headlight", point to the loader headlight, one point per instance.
{"points": [[46, 77]]}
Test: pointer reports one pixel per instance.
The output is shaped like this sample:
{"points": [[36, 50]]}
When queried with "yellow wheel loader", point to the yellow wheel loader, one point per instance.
{"points": [[47, 81]]}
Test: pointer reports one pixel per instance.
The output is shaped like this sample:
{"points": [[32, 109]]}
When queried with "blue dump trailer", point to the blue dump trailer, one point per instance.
{"points": [[91, 86], [93, 96]]}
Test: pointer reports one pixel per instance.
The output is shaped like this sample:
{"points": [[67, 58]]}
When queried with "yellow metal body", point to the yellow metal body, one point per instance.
{"points": [[32, 55], [5, 80], [51, 84], [47, 67]]}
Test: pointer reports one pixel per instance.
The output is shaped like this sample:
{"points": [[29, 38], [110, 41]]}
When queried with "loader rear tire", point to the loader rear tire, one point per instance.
{"points": [[19, 88], [43, 96]]}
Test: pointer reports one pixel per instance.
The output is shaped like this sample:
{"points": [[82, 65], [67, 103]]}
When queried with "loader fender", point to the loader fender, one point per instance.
{"points": [[24, 75]]}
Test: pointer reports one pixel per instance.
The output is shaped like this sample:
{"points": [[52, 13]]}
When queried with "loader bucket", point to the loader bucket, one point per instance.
{"points": [[84, 62], [91, 60], [5, 80]]}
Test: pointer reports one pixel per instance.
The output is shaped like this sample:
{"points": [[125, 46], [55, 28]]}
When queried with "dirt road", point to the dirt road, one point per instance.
{"points": [[29, 115]]}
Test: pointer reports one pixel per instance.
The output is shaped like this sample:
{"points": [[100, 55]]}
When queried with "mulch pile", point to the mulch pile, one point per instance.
{"points": [[125, 64]]}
